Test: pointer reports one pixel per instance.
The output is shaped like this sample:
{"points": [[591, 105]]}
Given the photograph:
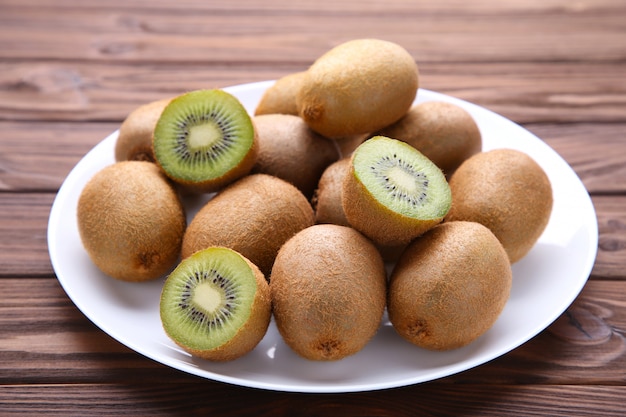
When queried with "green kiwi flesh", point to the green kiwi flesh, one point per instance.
{"points": [[402, 178], [205, 139], [215, 304], [393, 192]]}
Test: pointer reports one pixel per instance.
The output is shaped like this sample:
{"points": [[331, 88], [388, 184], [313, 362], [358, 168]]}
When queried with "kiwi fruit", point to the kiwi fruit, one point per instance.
{"points": [[288, 149], [357, 87], [326, 199], [134, 140], [205, 139], [444, 132], [507, 191], [254, 216], [449, 286], [280, 97], [328, 289], [216, 305], [392, 192], [131, 221]]}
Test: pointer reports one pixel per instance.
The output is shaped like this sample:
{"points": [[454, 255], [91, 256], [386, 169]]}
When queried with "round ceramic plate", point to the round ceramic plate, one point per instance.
{"points": [[545, 283]]}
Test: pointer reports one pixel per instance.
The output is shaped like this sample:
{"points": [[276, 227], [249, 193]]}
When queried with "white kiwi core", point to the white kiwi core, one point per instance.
{"points": [[203, 136], [207, 298]]}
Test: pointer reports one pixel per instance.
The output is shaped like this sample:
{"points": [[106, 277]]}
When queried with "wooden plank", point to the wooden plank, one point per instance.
{"points": [[208, 36], [330, 6], [39, 156], [23, 234], [525, 92], [200, 399], [612, 237], [596, 152], [44, 338]]}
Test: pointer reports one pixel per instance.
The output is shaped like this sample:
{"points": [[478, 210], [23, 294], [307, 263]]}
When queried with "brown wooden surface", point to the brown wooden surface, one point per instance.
{"points": [[70, 70]]}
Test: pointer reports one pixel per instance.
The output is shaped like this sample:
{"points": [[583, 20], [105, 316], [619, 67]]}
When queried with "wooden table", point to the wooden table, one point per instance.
{"points": [[71, 70]]}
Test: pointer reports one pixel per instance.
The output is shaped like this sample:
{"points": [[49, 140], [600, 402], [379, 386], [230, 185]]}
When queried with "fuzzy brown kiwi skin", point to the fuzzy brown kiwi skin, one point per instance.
{"points": [[280, 97], [254, 215], [134, 141], [328, 290], [507, 191], [131, 221], [327, 197], [358, 87], [444, 132], [251, 332], [288, 149], [449, 286]]}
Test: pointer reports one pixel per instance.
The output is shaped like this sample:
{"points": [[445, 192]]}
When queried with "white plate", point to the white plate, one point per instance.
{"points": [[545, 283]]}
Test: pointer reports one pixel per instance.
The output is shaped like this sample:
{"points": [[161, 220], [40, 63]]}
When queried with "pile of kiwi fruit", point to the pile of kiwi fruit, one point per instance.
{"points": [[336, 202]]}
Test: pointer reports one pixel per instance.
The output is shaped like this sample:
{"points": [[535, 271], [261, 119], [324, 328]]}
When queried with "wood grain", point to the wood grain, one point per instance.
{"points": [[203, 399], [95, 91], [71, 70], [251, 35]]}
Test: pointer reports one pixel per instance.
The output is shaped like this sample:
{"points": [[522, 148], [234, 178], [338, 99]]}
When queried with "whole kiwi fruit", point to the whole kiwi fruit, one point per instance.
{"points": [[392, 192], [288, 149], [134, 140], [444, 132], [326, 199], [280, 97], [216, 304], [254, 216], [204, 140], [131, 221], [449, 286], [358, 87], [507, 191], [328, 289]]}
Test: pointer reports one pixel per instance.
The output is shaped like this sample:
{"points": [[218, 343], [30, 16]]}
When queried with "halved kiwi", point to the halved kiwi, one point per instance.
{"points": [[205, 139], [392, 192], [216, 304]]}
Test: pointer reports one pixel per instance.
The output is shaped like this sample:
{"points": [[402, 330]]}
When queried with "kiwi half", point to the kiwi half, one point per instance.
{"points": [[216, 304], [205, 139], [392, 192]]}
